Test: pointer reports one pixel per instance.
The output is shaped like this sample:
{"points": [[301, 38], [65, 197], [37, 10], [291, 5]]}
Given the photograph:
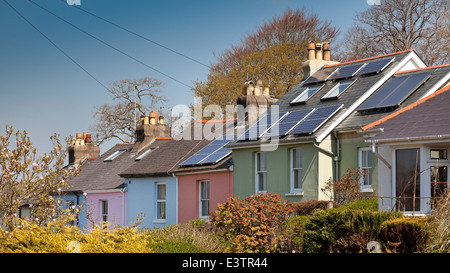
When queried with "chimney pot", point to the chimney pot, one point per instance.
{"points": [[161, 120], [84, 135], [326, 51], [311, 50], [88, 138], [78, 135], [319, 52]]}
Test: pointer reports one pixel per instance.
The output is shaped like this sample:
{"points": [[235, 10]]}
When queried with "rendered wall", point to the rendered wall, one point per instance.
{"points": [[116, 208], [220, 188]]}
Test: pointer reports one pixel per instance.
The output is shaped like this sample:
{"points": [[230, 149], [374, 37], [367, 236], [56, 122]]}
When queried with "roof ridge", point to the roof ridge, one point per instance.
{"points": [[423, 68], [409, 107], [370, 58]]}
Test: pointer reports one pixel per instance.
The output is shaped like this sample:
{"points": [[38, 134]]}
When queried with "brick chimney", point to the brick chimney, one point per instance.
{"points": [[254, 97], [319, 54], [150, 128], [82, 148]]}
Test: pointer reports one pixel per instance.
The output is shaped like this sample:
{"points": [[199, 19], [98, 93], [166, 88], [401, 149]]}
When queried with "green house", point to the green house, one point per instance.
{"points": [[313, 133]]}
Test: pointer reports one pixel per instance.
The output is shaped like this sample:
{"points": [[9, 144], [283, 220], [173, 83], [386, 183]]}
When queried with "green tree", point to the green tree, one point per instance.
{"points": [[273, 54]]}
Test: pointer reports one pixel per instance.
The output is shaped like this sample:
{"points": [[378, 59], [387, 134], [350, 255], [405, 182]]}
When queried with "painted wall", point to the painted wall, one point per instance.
{"points": [[117, 202], [77, 200], [141, 197], [278, 171], [349, 145], [220, 188]]}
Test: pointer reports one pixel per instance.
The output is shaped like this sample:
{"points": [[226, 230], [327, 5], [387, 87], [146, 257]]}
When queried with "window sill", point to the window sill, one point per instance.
{"points": [[161, 221], [299, 193], [366, 189]]}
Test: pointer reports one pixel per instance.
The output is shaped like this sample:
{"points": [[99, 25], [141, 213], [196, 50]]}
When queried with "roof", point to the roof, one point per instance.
{"points": [[167, 158], [428, 117], [352, 96], [358, 120]]}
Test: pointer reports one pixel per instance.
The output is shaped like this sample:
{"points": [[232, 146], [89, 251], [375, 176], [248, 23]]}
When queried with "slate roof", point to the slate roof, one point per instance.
{"points": [[429, 117], [347, 98], [166, 160], [98, 174], [357, 120]]}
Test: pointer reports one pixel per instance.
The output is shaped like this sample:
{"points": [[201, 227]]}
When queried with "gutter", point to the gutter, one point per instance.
{"points": [[410, 139]]}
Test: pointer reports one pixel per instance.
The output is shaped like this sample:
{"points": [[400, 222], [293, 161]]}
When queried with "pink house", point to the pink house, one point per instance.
{"points": [[200, 190]]}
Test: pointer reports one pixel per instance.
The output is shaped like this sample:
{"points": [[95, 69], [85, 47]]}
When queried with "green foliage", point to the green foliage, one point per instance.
{"points": [[253, 224], [365, 204], [405, 234], [343, 230], [308, 207]]}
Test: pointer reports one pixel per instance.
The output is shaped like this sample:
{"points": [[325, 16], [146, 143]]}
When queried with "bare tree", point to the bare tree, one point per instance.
{"points": [[397, 25], [135, 98]]}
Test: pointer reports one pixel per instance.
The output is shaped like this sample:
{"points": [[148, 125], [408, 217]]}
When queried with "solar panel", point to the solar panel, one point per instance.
{"points": [[320, 76], [288, 122], [346, 72], [394, 92], [210, 149], [257, 129], [375, 66], [315, 120]]}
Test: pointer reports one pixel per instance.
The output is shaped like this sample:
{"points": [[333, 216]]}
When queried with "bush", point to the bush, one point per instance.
{"points": [[366, 204], [343, 230], [253, 224], [404, 235], [308, 207], [294, 231]]}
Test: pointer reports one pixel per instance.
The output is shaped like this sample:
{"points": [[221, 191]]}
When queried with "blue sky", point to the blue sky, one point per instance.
{"points": [[43, 92]]}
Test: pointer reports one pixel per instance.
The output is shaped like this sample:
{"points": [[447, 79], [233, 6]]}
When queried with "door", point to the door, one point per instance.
{"points": [[407, 166]]}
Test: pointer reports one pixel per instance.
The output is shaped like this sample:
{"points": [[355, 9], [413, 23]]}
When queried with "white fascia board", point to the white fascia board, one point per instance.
{"points": [[437, 86], [412, 56]]}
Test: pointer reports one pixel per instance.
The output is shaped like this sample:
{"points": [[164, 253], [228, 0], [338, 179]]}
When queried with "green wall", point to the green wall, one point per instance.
{"points": [[278, 171]]}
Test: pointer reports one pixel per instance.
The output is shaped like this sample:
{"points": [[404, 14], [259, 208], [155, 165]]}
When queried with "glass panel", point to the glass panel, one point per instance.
{"points": [[298, 179], [161, 210], [438, 154], [297, 158], [205, 208], [438, 180], [407, 171], [161, 191]]}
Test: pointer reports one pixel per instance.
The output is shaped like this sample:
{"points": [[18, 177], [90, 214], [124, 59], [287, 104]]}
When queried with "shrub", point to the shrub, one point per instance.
{"points": [[439, 226], [294, 231], [365, 204], [404, 235], [308, 207], [253, 224], [343, 230]]}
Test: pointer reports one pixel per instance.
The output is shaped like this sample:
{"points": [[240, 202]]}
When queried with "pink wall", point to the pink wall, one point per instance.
{"points": [[220, 188], [116, 200]]}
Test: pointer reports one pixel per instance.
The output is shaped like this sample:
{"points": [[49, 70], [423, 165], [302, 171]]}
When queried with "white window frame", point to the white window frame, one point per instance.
{"points": [[298, 100], [104, 210], [328, 95], [203, 199], [293, 170], [369, 187], [159, 202], [257, 172], [114, 155]]}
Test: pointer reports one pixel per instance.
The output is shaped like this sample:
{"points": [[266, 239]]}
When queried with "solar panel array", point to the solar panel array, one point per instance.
{"points": [[264, 123], [284, 125], [346, 72], [211, 153], [375, 66], [315, 120], [394, 91]]}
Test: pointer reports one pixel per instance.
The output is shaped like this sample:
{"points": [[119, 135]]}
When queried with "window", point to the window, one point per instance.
{"points": [[296, 171], [407, 177], [438, 179], [204, 199], [160, 201], [104, 210], [365, 164], [25, 212], [261, 172], [143, 155], [438, 154], [305, 95], [338, 89], [114, 155]]}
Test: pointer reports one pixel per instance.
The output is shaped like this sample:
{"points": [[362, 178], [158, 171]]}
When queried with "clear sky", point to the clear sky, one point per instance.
{"points": [[43, 92]]}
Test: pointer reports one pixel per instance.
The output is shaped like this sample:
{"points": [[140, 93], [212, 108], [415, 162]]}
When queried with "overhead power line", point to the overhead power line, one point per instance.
{"points": [[136, 34], [105, 43], [55, 45]]}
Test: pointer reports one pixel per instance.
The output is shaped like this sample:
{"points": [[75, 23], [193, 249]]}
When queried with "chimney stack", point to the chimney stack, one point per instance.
{"points": [[82, 148], [319, 55], [255, 96], [150, 129]]}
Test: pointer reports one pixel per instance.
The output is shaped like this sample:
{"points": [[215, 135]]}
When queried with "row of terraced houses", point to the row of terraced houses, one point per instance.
{"points": [[387, 115]]}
